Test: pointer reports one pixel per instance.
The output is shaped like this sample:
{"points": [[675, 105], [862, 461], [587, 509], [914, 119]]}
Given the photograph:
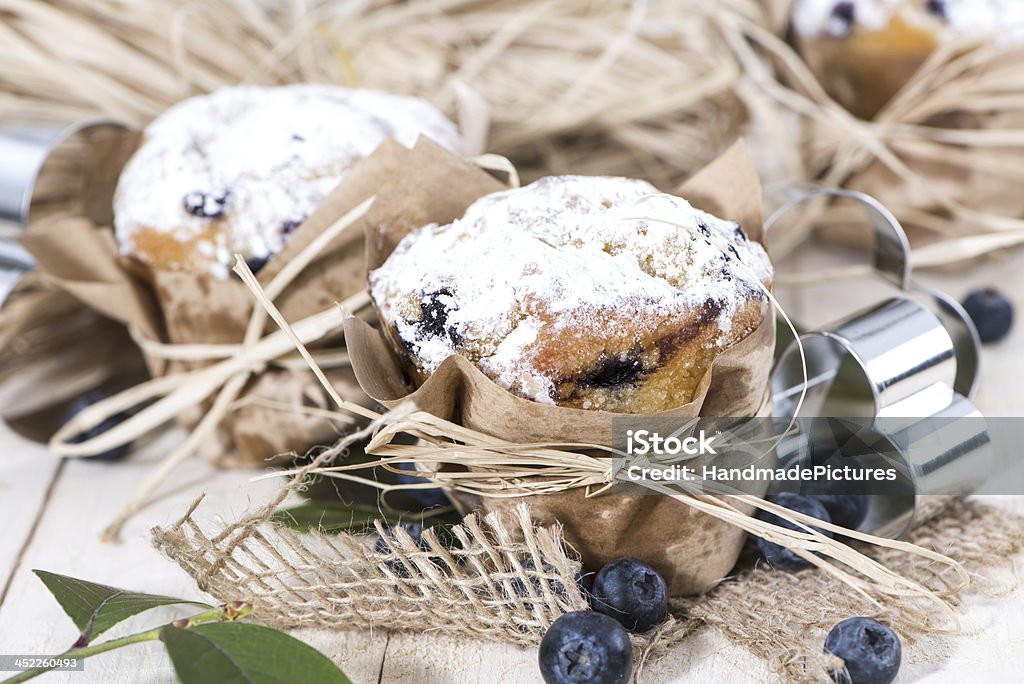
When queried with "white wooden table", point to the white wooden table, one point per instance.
{"points": [[52, 514]]}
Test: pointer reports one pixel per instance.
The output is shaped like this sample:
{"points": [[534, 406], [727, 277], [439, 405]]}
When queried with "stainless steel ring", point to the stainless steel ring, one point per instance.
{"points": [[903, 370], [25, 147], [891, 262]]}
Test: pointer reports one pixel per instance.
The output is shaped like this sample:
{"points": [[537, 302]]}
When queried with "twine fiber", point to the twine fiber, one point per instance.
{"points": [[503, 578]]}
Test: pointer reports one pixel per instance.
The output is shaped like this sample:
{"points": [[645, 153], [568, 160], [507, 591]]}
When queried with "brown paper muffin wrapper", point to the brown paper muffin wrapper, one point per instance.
{"points": [[184, 308], [691, 549]]}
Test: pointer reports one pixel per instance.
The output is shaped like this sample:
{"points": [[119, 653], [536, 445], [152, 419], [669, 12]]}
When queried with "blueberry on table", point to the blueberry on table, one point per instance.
{"points": [[428, 498], [779, 556], [520, 589], [845, 510], [992, 313], [632, 592], [585, 648], [412, 528], [383, 545], [870, 650], [82, 403]]}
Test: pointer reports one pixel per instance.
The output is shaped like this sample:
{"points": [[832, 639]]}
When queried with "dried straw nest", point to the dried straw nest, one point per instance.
{"points": [[605, 86], [648, 88]]}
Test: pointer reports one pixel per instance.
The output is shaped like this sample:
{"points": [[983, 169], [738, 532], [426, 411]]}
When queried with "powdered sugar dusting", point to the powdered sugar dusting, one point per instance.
{"points": [[947, 18], [252, 163], [561, 252]]}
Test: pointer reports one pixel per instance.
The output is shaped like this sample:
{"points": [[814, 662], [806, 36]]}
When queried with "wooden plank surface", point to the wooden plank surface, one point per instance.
{"points": [[27, 471], [85, 497]]}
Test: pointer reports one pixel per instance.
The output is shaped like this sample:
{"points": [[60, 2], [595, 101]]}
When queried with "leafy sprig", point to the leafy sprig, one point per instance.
{"points": [[209, 647]]}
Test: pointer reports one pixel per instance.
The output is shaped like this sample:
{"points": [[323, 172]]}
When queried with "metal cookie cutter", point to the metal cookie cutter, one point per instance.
{"points": [[889, 384], [28, 151], [49, 168]]}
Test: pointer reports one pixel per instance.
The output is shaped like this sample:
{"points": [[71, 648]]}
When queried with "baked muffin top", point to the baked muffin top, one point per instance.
{"points": [[840, 18], [531, 276], [237, 170]]}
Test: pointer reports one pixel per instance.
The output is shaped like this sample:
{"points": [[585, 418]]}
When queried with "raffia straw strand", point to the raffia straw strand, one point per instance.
{"points": [[182, 390], [189, 389], [242, 269], [518, 474], [853, 144], [511, 472]]}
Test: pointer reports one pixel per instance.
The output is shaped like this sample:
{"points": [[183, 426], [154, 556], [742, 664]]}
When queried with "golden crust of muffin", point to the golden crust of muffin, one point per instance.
{"points": [[863, 72]]}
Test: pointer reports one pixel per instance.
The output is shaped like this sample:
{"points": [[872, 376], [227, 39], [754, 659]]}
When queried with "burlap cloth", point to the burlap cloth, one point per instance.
{"points": [[483, 585]]}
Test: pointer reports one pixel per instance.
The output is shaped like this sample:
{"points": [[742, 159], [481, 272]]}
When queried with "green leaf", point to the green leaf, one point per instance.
{"points": [[95, 608], [229, 652], [332, 516]]}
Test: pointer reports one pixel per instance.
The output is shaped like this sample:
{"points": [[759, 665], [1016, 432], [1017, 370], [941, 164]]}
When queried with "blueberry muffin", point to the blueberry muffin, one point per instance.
{"points": [[588, 292], [864, 51], [236, 171]]}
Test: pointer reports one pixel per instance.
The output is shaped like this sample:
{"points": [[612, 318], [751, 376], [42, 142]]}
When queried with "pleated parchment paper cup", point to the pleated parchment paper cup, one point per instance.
{"points": [[692, 550]]}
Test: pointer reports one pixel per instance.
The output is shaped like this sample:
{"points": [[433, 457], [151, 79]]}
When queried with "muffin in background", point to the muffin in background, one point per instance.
{"points": [[865, 51], [239, 169]]}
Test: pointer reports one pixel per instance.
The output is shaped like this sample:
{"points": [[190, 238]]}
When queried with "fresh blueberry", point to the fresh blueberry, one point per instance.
{"points": [[289, 227], [383, 546], [779, 556], [632, 592], [427, 498], [205, 204], [870, 650], [556, 586], [80, 405], [845, 510], [585, 648], [435, 309], [992, 313], [844, 15]]}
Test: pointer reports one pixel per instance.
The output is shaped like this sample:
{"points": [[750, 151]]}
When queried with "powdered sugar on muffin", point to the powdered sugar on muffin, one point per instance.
{"points": [[608, 268], [839, 18], [236, 171]]}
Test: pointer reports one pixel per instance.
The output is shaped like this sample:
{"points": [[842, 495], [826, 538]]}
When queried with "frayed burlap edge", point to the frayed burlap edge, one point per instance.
{"points": [[483, 582], [496, 577]]}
